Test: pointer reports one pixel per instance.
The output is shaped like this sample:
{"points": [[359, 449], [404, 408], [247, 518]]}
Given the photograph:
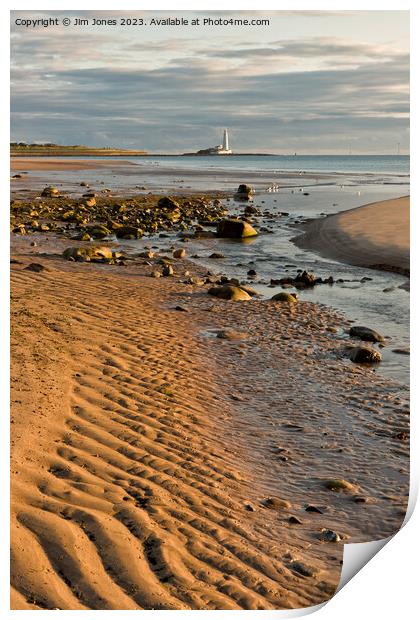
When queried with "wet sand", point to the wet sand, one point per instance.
{"points": [[18, 164], [375, 235], [144, 447]]}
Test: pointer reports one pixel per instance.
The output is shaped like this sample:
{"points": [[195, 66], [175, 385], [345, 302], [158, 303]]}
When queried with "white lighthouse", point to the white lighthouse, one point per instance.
{"points": [[226, 142], [220, 149]]}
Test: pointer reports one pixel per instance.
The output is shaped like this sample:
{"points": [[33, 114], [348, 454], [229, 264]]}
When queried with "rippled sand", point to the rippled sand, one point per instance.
{"points": [[144, 446]]}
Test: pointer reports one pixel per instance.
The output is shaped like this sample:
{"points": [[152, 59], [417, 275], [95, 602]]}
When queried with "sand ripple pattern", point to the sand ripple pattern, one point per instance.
{"points": [[124, 494]]}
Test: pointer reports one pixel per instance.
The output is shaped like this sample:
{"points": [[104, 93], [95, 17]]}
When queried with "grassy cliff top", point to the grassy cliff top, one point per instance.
{"points": [[57, 150]]}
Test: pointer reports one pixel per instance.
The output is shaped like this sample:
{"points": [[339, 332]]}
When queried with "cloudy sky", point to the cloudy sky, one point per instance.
{"points": [[310, 82]]}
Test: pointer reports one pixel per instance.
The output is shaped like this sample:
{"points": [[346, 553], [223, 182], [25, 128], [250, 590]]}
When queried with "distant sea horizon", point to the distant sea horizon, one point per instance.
{"points": [[374, 164]]}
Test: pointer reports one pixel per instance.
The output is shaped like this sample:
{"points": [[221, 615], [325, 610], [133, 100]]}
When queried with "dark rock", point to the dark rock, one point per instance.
{"points": [[168, 270], [330, 536], [217, 255], [37, 267], [314, 509], [305, 279], [244, 192], [231, 334], [168, 203], [295, 521], [129, 232], [401, 351], [251, 210], [303, 569], [50, 192], [365, 333], [98, 232], [365, 355], [235, 229]]}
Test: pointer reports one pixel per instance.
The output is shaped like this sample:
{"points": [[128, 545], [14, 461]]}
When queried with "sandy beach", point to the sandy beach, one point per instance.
{"points": [[158, 466], [375, 235], [20, 164]]}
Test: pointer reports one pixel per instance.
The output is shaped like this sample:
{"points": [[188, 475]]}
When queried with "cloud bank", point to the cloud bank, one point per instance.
{"points": [[174, 93]]}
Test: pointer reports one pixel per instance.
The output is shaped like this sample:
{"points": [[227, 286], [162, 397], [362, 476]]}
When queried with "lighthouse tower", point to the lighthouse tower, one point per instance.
{"points": [[225, 140]]}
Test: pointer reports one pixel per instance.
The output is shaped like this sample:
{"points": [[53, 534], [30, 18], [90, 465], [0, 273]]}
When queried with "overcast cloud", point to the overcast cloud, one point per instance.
{"points": [[303, 84]]}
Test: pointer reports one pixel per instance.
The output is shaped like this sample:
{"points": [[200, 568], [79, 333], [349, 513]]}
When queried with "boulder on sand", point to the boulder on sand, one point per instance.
{"points": [[229, 292], [365, 355], [244, 192], [235, 229], [365, 333], [88, 253], [289, 297], [167, 203], [50, 192], [129, 232], [98, 231]]}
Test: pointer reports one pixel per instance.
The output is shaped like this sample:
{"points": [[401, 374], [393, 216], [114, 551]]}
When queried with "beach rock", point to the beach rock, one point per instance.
{"points": [[90, 202], [235, 229], [231, 334], [365, 333], [20, 229], [167, 203], [275, 503], [229, 292], [303, 569], [129, 232], [180, 253], [365, 355], [314, 509], [295, 521], [216, 255], [305, 279], [244, 192], [88, 253], [339, 485], [248, 289], [50, 192], [251, 210], [330, 536], [195, 280], [155, 274], [405, 351], [37, 267], [251, 273], [181, 308], [83, 236], [288, 297], [147, 254], [98, 232], [168, 270]]}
